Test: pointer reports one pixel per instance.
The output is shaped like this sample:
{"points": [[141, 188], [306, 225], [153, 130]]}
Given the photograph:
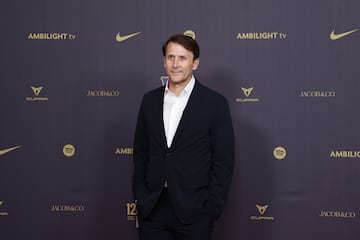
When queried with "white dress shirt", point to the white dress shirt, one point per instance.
{"points": [[173, 109]]}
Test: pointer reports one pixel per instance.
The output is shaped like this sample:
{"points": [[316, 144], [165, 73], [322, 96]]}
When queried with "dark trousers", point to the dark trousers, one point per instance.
{"points": [[162, 224]]}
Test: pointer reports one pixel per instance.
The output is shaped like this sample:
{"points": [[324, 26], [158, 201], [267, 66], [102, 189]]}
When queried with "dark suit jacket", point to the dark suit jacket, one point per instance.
{"points": [[197, 167]]}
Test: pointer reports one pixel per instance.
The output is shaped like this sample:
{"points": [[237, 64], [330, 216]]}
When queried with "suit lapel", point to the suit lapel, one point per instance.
{"points": [[159, 110], [187, 111]]}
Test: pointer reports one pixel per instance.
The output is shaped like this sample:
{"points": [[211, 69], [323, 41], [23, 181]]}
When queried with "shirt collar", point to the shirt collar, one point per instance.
{"points": [[188, 88]]}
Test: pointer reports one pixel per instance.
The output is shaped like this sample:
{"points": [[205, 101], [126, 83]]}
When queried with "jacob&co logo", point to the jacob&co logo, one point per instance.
{"points": [[103, 93], [2, 213], [36, 92], [67, 208], [317, 94], [337, 214], [7, 150], [247, 92], [261, 209], [120, 38]]}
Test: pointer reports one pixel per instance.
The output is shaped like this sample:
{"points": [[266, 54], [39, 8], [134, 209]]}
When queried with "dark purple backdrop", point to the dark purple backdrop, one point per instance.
{"points": [[65, 79]]}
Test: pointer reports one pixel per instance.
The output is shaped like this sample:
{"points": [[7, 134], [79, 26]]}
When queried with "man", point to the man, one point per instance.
{"points": [[183, 151]]}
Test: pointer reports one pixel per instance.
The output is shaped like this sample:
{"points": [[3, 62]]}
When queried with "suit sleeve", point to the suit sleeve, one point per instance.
{"points": [[140, 156], [223, 147]]}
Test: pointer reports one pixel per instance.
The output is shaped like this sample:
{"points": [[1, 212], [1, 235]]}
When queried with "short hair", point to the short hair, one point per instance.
{"points": [[187, 42]]}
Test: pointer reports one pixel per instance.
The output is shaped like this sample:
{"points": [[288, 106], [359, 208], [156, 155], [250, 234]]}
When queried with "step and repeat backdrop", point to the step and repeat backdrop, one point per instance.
{"points": [[72, 75]]}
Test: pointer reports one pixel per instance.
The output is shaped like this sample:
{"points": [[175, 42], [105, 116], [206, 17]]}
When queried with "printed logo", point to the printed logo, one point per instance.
{"points": [[3, 214], [67, 208], [337, 214], [120, 38], [51, 36], [317, 94], [103, 93], [7, 150], [334, 36], [36, 91], [190, 33], [261, 209], [247, 92], [164, 80], [132, 213], [345, 154], [68, 150], [279, 153], [124, 151], [261, 36]]}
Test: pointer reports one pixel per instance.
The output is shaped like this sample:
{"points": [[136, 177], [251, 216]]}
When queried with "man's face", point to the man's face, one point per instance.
{"points": [[179, 63]]}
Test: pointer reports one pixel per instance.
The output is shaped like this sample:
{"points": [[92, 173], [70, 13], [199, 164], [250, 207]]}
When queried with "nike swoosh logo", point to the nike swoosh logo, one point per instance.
{"points": [[123, 38], [4, 151], [334, 36]]}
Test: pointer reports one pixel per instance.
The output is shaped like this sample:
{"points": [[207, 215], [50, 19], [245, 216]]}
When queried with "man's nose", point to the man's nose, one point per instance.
{"points": [[175, 63]]}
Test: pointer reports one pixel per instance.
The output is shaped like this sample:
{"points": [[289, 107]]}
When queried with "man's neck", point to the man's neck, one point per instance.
{"points": [[177, 88]]}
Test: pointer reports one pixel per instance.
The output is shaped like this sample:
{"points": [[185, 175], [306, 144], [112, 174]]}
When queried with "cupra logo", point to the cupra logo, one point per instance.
{"points": [[120, 38], [36, 90], [262, 209], [247, 91], [335, 36]]}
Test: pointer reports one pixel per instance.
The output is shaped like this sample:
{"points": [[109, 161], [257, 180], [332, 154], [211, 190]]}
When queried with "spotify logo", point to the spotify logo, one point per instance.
{"points": [[279, 153], [69, 150]]}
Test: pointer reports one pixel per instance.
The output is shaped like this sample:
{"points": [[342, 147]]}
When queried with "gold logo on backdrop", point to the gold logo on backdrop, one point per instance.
{"points": [[261, 209], [247, 92], [120, 38], [132, 213], [190, 33], [317, 94], [279, 153], [67, 208], [3, 213], [345, 154], [124, 151], [337, 214], [36, 91], [51, 36], [334, 36], [7, 150], [69, 150], [261, 36], [103, 93]]}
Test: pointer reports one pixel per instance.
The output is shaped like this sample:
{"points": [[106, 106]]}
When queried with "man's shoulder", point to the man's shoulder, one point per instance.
{"points": [[155, 92], [210, 93]]}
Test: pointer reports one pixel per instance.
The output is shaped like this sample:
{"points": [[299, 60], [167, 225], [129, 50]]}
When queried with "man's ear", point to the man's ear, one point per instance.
{"points": [[196, 64]]}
